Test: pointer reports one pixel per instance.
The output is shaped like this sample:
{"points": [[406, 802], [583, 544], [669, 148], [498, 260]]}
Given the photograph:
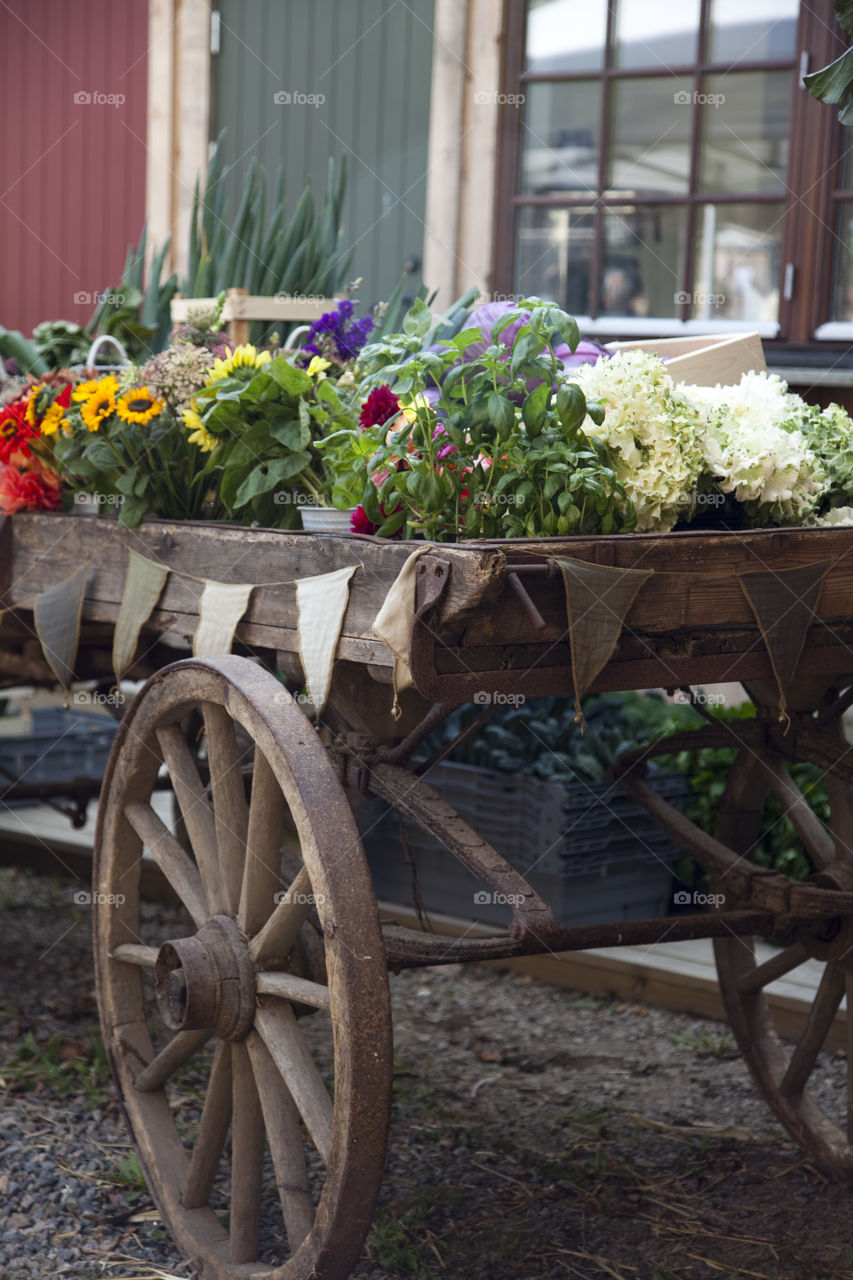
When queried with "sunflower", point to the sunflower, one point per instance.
{"points": [[245, 357], [55, 416], [138, 405], [101, 402], [32, 416], [84, 389], [199, 432]]}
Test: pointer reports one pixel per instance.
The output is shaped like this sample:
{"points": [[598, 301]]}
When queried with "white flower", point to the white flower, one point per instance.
{"points": [[654, 431], [754, 447], [837, 516]]}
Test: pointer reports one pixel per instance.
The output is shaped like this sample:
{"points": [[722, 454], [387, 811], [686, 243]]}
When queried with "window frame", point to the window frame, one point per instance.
{"points": [[808, 242]]}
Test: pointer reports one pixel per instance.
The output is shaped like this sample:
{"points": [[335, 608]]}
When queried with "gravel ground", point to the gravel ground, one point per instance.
{"points": [[535, 1134]]}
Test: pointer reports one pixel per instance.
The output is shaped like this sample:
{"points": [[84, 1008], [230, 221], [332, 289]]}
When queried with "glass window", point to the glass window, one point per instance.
{"points": [[560, 137], [737, 259], [663, 34], [565, 35], [554, 255], [650, 135], [744, 122], [752, 30], [842, 300], [643, 261]]}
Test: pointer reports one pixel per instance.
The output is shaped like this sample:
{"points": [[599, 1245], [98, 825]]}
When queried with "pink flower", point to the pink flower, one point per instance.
{"points": [[379, 406]]}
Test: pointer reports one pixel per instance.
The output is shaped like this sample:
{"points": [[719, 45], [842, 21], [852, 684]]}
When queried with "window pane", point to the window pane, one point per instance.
{"points": [[643, 257], [736, 265], [650, 131], [752, 30], [842, 288], [663, 34], [745, 125], [553, 257], [565, 35], [560, 137]]}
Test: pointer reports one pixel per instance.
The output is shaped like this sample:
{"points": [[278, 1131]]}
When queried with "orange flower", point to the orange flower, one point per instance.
{"points": [[36, 489]]}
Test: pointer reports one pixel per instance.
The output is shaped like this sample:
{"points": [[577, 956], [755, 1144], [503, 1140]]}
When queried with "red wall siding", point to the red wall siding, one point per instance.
{"points": [[72, 173]]}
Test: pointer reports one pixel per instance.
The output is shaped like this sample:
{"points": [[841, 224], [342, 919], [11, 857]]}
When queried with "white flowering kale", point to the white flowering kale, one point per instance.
{"points": [[654, 432], [755, 448], [830, 435]]}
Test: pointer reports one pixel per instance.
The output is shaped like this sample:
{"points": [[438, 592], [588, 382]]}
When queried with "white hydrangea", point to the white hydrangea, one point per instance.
{"points": [[754, 448], [653, 430]]}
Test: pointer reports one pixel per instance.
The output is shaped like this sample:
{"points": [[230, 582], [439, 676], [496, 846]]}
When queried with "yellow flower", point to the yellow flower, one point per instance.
{"points": [[199, 433], [83, 390], [246, 356], [31, 404], [101, 402], [53, 420], [138, 405], [316, 367]]}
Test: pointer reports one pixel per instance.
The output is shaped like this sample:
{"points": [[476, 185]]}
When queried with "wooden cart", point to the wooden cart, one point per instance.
{"points": [[277, 991]]}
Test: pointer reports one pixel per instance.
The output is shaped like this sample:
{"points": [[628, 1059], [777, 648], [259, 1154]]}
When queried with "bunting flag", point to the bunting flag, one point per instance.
{"points": [[142, 588], [395, 619], [57, 613], [598, 598], [784, 604], [221, 607], [321, 603]]}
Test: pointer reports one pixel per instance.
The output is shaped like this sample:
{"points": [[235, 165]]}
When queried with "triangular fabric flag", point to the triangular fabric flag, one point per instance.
{"points": [[142, 587], [221, 607], [598, 598], [784, 604], [395, 619], [321, 602], [57, 614]]}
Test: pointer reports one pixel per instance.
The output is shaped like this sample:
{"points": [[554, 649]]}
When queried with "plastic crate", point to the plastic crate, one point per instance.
{"points": [[63, 745], [589, 850]]}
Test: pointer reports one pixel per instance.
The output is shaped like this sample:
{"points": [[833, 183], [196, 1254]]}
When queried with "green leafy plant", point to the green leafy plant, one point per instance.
{"points": [[489, 441], [834, 84], [300, 254]]}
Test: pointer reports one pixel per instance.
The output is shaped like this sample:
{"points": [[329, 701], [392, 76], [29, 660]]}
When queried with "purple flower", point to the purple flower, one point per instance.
{"points": [[336, 335]]}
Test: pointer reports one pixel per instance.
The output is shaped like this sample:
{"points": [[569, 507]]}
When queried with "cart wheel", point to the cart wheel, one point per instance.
{"points": [[291, 1195], [781, 1069]]}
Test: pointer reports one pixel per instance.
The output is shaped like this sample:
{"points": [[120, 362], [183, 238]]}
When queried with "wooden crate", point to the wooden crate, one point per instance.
{"points": [[704, 360]]}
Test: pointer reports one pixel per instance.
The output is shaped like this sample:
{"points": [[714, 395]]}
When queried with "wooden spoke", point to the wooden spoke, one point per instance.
{"points": [[176, 1053], [230, 811], [284, 1135], [171, 858], [213, 1130], [281, 929], [133, 953], [819, 1021], [262, 870], [804, 820], [289, 987], [195, 811], [247, 1154], [776, 967], [280, 1032]]}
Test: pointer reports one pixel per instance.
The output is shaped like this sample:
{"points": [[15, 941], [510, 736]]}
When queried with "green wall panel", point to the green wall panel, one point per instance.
{"points": [[365, 67]]}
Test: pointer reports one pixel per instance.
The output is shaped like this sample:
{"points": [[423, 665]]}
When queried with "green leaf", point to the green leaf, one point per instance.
{"points": [[99, 455], [390, 526], [131, 512], [571, 405], [501, 414], [269, 474], [844, 14], [292, 380], [526, 347], [535, 406], [834, 84], [417, 319], [465, 339], [290, 432]]}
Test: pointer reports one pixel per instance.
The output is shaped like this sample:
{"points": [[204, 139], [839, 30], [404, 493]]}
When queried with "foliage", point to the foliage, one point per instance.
{"points": [[296, 255], [542, 737], [487, 445]]}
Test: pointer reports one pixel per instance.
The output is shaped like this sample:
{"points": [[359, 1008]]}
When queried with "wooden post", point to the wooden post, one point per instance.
{"points": [[238, 328]]}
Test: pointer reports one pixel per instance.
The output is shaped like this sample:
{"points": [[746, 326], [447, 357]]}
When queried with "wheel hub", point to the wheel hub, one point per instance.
{"points": [[207, 981]]}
